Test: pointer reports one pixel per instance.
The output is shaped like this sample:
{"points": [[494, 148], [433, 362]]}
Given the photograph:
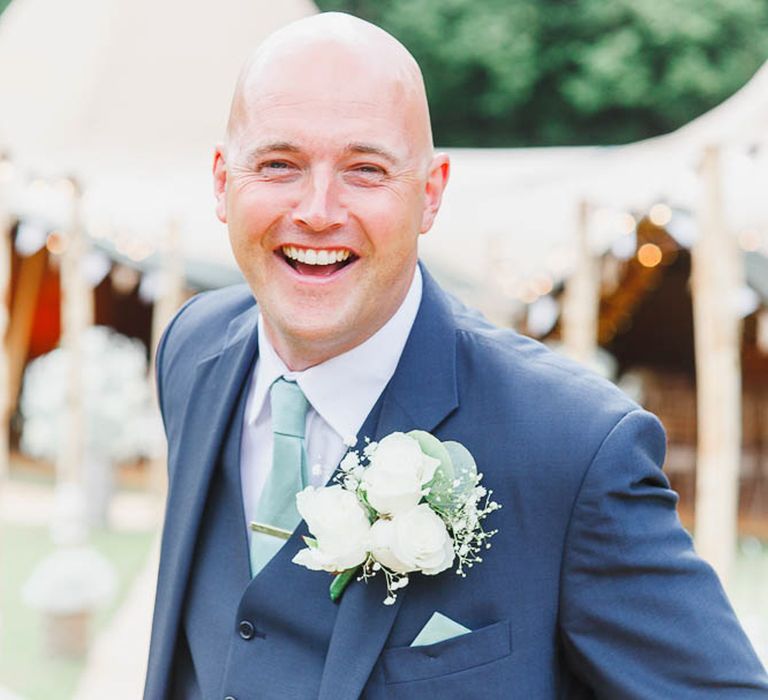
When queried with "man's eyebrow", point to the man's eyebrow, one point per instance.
{"points": [[275, 146], [354, 148], [371, 149]]}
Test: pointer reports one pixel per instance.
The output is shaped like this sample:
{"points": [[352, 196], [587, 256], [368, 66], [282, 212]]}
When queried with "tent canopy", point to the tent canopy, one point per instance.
{"points": [[132, 99], [512, 213]]}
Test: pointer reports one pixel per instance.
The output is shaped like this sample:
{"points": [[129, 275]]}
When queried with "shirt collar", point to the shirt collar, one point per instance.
{"points": [[343, 389]]}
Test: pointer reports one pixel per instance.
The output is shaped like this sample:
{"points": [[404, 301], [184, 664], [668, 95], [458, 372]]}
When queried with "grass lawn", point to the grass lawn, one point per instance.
{"points": [[24, 666], [26, 669], [748, 591]]}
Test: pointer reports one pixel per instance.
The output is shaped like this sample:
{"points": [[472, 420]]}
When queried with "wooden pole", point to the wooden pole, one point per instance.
{"points": [[716, 276], [83, 575], [167, 303], [762, 331], [172, 285], [76, 316], [582, 297], [5, 383]]}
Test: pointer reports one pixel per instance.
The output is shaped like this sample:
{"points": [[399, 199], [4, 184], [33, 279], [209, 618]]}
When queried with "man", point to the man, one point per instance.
{"points": [[326, 180]]}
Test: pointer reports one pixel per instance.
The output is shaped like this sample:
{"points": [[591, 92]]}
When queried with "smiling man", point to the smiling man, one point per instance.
{"points": [[326, 180]]}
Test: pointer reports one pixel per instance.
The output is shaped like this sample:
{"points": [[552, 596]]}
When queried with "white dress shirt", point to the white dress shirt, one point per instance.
{"points": [[341, 393]]}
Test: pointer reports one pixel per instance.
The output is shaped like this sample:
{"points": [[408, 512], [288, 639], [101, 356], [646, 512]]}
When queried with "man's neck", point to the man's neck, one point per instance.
{"points": [[299, 354]]}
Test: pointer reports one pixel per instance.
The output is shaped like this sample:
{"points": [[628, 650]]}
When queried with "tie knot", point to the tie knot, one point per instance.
{"points": [[289, 408]]}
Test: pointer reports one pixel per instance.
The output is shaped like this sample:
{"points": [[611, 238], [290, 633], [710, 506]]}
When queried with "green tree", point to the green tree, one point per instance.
{"points": [[546, 72]]}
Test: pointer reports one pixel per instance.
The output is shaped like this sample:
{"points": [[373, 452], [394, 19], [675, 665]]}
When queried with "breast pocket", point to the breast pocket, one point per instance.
{"points": [[487, 644]]}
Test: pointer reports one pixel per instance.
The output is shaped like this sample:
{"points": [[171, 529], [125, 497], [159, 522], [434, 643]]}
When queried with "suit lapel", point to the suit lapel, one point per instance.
{"points": [[421, 394], [216, 385]]}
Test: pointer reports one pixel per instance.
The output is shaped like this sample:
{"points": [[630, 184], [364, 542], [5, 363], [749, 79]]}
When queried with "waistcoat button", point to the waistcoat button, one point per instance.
{"points": [[246, 630]]}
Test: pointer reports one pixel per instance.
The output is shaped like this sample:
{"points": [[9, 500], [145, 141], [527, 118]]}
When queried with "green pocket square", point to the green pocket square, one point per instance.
{"points": [[439, 628]]}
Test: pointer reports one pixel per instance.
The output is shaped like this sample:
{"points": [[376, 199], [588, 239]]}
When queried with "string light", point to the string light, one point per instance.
{"points": [[56, 242], [628, 223], [750, 240], [124, 279], [542, 285], [65, 186], [559, 261], [528, 294], [139, 250], [649, 255], [660, 214]]}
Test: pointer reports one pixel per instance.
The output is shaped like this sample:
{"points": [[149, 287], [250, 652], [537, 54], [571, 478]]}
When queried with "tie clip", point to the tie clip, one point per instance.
{"points": [[270, 530]]}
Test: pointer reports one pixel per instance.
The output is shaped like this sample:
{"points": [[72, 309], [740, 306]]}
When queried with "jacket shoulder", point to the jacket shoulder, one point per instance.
{"points": [[562, 410], [505, 358], [199, 328]]}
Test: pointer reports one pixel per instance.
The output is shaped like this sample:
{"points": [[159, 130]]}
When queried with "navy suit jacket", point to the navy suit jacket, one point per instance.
{"points": [[591, 588]]}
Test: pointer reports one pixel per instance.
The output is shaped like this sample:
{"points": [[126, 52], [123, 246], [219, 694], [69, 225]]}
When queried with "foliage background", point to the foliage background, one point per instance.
{"points": [[564, 72], [549, 72]]}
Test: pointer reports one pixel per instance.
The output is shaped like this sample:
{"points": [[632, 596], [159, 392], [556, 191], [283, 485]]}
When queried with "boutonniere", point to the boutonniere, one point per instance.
{"points": [[409, 503]]}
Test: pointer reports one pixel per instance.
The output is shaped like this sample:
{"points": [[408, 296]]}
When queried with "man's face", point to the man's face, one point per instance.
{"points": [[325, 188]]}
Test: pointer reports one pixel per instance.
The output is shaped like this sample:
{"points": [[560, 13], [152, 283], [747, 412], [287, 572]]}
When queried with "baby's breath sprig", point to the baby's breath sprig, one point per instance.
{"points": [[469, 536], [393, 579]]}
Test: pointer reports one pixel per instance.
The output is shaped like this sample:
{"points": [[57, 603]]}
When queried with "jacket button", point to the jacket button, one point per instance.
{"points": [[230, 697], [246, 631]]}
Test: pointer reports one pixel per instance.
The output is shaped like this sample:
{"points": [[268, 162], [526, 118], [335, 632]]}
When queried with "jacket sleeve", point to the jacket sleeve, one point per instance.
{"points": [[641, 615]]}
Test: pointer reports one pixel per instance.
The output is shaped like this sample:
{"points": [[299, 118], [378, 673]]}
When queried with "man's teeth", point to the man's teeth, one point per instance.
{"points": [[312, 256]]}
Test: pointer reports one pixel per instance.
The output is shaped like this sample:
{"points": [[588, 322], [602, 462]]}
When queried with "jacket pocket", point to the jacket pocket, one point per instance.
{"points": [[480, 647]]}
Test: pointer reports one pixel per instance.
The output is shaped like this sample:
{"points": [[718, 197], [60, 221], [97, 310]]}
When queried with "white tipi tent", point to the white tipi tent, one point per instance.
{"points": [[510, 214], [129, 97]]}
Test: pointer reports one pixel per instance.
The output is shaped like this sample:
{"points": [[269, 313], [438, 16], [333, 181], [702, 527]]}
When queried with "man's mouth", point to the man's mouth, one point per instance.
{"points": [[317, 262]]}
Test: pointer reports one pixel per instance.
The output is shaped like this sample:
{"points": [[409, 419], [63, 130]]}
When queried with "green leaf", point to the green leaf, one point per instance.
{"points": [[441, 487], [464, 471], [431, 446]]}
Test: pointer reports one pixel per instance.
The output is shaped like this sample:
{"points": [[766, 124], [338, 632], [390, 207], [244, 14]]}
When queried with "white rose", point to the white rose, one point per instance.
{"points": [[394, 482], [416, 540], [340, 525]]}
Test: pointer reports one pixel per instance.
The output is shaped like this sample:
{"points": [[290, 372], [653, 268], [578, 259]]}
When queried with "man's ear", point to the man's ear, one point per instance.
{"points": [[437, 179], [220, 182]]}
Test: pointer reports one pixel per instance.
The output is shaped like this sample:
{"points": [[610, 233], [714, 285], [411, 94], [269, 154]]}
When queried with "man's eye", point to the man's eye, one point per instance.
{"points": [[369, 169], [277, 170]]}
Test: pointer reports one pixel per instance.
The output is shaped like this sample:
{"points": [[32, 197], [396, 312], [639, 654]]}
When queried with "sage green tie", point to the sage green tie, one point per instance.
{"points": [[277, 504]]}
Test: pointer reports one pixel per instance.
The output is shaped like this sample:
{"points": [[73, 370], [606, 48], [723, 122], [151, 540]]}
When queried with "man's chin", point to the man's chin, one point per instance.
{"points": [[306, 339]]}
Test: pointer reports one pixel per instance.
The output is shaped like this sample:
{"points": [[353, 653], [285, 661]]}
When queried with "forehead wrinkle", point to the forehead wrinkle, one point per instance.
{"points": [[259, 103]]}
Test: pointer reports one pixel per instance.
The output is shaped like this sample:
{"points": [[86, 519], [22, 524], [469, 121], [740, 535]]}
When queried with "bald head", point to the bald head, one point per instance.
{"points": [[319, 54]]}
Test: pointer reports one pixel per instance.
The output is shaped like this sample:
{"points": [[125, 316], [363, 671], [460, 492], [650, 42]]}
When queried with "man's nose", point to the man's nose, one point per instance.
{"points": [[320, 208]]}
